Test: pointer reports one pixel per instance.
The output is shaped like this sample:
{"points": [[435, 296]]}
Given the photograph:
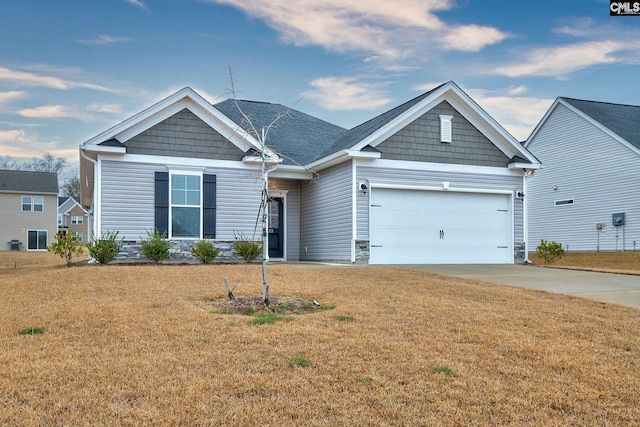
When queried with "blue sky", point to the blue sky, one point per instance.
{"points": [[70, 69]]}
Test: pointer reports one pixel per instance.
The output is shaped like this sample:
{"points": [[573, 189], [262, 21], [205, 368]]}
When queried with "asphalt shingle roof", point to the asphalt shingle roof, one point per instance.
{"points": [[298, 137], [28, 181], [624, 120]]}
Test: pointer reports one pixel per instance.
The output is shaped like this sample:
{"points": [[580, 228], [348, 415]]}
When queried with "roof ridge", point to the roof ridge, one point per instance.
{"points": [[599, 102]]}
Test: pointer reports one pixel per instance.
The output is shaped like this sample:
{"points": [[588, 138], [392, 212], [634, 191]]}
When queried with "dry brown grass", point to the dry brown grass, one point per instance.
{"points": [[615, 262], [137, 345]]}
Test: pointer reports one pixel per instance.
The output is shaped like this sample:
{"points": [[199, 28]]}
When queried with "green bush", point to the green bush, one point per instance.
{"points": [[246, 249], [66, 245], [105, 249], [204, 251], [549, 251], [156, 247]]}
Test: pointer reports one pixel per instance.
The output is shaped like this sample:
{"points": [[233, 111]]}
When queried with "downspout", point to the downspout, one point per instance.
{"points": [[525, 215], [92, 207]]}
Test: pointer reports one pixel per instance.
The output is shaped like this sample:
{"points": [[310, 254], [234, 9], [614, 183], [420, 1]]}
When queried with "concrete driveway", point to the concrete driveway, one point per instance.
{"points": [[613, 288]]}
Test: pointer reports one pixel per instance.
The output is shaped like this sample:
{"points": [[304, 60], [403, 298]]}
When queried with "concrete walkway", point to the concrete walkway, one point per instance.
{"points": [[613, 288]]}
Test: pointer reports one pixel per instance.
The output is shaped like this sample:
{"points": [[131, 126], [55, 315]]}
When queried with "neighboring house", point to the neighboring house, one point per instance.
{"points": [[74, 219], [434, 180], [28, 209], [587, 196]]}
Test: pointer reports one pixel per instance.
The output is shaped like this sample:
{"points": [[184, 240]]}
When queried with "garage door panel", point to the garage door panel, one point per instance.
{"points": [[411, 226]]}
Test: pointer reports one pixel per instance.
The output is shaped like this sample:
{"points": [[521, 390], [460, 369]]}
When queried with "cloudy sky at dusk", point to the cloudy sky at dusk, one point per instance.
{"points": [[71, 69]]}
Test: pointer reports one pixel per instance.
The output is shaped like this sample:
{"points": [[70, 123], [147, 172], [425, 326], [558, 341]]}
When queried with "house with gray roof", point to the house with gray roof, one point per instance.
{"points": [[28, 208], [587, 194], [433, 180], [74, 218]]}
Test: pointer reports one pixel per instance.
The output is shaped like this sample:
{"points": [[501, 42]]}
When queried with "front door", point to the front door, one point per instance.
{"points": [[276, 228]]}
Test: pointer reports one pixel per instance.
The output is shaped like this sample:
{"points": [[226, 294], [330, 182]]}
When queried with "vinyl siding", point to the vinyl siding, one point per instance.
{"points": [[407, 177], [591, 167], [325, 215], [292, 232], [127, 199]]}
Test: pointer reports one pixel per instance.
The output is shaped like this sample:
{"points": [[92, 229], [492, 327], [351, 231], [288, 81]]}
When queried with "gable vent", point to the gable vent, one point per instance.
{"points": [[445, 128]]}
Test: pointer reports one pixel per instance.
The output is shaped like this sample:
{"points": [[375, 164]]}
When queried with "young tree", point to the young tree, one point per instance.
{"points": [[267, 164]]}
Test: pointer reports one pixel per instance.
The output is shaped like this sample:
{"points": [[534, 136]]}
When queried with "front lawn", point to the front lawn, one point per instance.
{"points": [[142, 345]]}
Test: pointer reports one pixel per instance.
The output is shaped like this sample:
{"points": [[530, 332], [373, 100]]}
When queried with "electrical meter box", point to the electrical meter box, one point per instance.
{"points": [[617, 219]]}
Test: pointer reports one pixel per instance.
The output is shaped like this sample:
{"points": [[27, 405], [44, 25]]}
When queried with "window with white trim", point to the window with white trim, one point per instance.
{"points": [[32, 203], [567, 202], [77, 236], [76, 219], [185, 205], [445, 128]]}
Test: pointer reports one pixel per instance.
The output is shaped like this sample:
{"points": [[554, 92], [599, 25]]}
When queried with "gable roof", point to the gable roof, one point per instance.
{"points": [[365, 129], [623, 120], [15, 181], [369, 134], [297, 137], [113, 139]]}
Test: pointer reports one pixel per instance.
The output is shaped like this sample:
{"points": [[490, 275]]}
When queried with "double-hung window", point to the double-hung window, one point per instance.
{"points": [[32, 203], [76, 219], [186, 205]]}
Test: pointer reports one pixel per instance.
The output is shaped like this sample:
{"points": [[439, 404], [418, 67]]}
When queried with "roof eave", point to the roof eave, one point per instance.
{"points": [[340, 157]]}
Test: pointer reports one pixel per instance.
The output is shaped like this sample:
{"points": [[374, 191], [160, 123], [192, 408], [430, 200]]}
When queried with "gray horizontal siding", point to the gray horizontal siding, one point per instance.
{"points": [[589, 166], [418, 177], [127, 199], [325, 218]]}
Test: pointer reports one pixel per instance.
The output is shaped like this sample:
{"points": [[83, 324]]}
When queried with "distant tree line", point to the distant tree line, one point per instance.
{"points": [[69, 183]]}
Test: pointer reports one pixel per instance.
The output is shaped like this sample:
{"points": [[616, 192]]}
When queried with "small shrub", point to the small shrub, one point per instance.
{"points": [[299, 361], [33, 330], [156, 246], [246, 249], [204, 251], [105, 249], [66, 245], [445, 370], [549, 251]]}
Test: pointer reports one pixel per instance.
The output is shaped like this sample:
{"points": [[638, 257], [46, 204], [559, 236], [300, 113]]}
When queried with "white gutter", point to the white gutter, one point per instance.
{"points": [[525, 215]]}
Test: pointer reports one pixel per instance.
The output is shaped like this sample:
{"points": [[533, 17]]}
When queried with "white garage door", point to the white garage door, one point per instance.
{"points": [[439, 227]]}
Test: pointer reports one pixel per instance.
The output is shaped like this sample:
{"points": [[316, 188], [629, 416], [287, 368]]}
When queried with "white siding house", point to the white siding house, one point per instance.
{"points": [[591, 156]]}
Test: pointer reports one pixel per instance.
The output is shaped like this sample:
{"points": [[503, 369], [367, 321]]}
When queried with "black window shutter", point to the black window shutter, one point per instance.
{"points": [[162, 203], [209, 206]]}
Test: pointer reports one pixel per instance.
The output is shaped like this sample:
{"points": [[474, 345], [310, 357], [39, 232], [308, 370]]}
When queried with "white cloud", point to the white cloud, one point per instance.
{"points": [[472, 38], [106, 108], [517, 114], [560, 61], [84, 114], [34, 79], [8, 96], [19, 144], [391, 29], [346, 93], [137, 3], [104, 40]]}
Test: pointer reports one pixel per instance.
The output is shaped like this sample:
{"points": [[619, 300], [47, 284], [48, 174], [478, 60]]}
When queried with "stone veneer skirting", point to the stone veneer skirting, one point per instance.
{"points": [[180, 253]]}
